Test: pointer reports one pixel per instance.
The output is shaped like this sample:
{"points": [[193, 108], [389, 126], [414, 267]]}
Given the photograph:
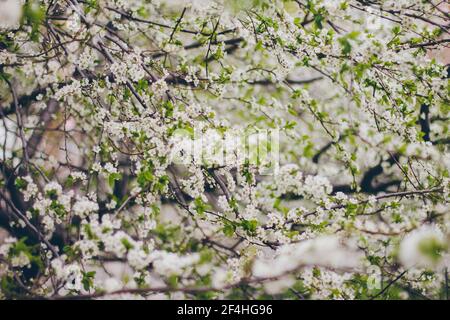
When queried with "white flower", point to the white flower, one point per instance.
{"points": [[110, 168], [96, 167], [49, 224], [10, 13], [111, 284], [88, 248], [325, 251], [119, 243], [7, 57], [279, 285], [53, 186], [112, 204], [78, 175], [86, 60], [220, 278], [73, 277], [8, 243], [73, 23], [20, 260], [168, 263], [138, 258], [83, 206], [31, 190], [423, 247], [159, 87]]}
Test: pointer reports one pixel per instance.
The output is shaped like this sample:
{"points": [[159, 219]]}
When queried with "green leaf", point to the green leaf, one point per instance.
{"points": [[229, 229], [249, 226], [88, 280], [20, 183], [126, 243], [113, 177]]}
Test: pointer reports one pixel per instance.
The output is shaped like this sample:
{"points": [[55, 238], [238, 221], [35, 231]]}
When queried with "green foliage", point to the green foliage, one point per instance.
{"points": [[33, 15], [88, 280]]}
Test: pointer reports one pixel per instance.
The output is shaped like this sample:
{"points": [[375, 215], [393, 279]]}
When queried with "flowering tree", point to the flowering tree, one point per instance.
{"points": [[128, 169]]}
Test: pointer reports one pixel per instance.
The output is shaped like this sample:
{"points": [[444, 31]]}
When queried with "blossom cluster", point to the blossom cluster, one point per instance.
{"points": [[121, 176]]}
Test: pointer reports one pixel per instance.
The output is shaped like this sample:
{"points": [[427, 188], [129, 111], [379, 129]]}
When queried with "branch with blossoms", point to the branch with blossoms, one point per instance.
{"points": [[224, 149]]}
